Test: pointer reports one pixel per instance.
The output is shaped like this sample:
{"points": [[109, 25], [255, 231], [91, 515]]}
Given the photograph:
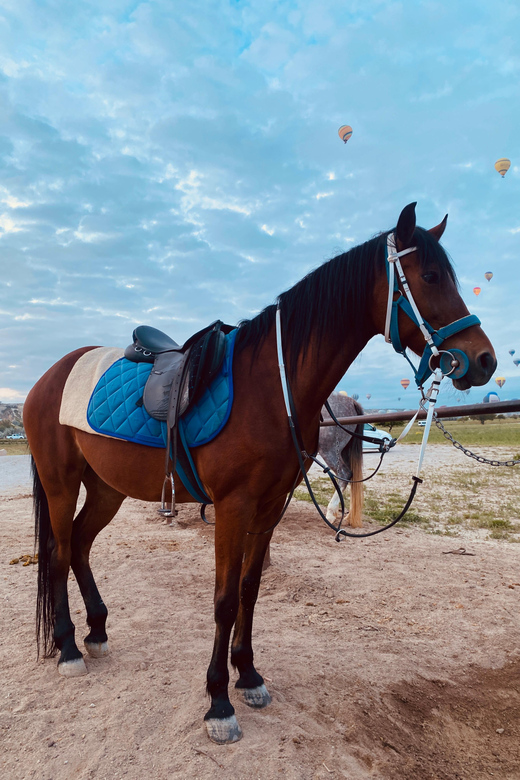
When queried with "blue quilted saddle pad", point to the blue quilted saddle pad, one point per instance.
{"points": [[116, 409]]}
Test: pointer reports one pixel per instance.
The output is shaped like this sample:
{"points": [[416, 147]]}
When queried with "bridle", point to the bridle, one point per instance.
{"points": [[453, 362]]}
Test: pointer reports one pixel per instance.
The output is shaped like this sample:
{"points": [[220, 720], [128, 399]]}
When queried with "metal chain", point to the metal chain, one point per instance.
{"points": [[479, 458]]}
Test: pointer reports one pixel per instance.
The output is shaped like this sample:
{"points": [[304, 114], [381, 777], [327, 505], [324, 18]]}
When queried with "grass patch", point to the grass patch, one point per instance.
{"points": [[384, 509], [323, 490], [470, 433], [502, 536], [16, 447], [468, 501], [454, 520], [466, 481], [486, 521]]}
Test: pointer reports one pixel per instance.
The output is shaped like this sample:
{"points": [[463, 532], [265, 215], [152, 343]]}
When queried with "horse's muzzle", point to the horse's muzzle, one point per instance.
{"points": [[480, 371]]}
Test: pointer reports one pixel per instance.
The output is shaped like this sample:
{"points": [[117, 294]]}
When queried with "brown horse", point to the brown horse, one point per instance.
{"points": [[249, 469]]}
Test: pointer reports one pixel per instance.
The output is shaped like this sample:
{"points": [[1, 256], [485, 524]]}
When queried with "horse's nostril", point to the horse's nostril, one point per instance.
{"points": [[487, 362]]}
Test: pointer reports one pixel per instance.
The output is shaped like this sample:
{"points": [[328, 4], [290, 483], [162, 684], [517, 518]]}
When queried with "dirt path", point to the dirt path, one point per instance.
{"points": [[385, 658]]}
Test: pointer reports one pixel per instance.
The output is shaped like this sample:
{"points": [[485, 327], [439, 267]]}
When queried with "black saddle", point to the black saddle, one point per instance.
{"points": [[147, 343], [180, 374], [177, 380]]}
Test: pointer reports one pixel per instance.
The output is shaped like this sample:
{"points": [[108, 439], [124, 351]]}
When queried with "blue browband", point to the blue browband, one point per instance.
{"points": [[437, 336]]}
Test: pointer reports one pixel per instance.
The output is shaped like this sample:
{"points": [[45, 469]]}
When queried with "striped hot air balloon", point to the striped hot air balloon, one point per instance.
{"points": [[405, 383], [344, 132], [502, 166]]}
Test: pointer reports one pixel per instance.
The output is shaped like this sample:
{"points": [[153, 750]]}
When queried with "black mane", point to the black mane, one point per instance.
{"points": [[331, 301]]}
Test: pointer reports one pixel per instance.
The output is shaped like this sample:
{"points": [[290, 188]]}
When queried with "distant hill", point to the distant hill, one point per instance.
{"points": [[10, 417]]}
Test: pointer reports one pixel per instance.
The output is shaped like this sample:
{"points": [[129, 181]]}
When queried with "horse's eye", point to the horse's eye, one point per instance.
{"points": [[431, 278]]}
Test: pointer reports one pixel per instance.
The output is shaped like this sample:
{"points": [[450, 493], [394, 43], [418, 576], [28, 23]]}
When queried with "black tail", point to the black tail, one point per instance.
{"points": [[43, 537]]}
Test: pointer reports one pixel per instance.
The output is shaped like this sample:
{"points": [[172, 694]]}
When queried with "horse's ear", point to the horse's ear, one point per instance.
{"points": [[439, 229], [406, 226]]}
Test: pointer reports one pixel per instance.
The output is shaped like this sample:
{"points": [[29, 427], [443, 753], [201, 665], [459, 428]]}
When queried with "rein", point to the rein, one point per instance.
{"points": [[302, 455]]}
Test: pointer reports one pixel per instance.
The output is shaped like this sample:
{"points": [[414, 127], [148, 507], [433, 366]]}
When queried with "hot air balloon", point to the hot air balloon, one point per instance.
{"points": [[502, 166], [512, 352], [369, 396], [500, 380], [355, 396], [344, 132], [488, 275], [476, 290], [405, 383], [516, 362], [490, 398], [343, 392]]}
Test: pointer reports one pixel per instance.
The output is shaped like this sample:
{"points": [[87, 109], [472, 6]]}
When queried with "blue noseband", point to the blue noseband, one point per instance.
{"points": [[453, 363]]}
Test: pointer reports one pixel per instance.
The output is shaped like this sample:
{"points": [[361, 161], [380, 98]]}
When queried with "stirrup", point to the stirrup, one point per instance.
{"points": [[167, 508]]}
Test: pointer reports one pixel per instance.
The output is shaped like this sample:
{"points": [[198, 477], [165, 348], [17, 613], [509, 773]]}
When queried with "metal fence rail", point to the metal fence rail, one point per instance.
{"points": [[501, 407]]}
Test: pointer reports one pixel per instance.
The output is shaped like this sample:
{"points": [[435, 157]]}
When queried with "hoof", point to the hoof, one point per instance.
{"points": [[256, 697], [223, 731], [97, 649], [334, 516], [75, 668]]}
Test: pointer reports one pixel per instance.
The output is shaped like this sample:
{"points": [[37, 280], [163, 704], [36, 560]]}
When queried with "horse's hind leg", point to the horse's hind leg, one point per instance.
{"points": [[55, 495], [334, 505], [101, 505]]}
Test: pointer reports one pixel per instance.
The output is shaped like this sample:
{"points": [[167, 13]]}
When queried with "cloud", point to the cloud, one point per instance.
{"points": [[10, 396], [173, 166], [8, 225]]}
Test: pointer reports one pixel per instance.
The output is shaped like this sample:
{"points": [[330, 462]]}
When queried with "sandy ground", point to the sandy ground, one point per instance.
{"points": [[386, 658]]}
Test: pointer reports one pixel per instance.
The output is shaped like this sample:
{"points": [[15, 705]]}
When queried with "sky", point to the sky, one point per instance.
{"points": [[172, 163]]}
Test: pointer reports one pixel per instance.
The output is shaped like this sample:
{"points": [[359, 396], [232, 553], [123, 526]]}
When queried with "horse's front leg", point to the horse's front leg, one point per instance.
{"points": [[250, 682], [232, 519]]}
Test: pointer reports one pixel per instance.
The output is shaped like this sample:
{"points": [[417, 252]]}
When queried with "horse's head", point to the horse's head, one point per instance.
{"points": [[427, 271]]}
